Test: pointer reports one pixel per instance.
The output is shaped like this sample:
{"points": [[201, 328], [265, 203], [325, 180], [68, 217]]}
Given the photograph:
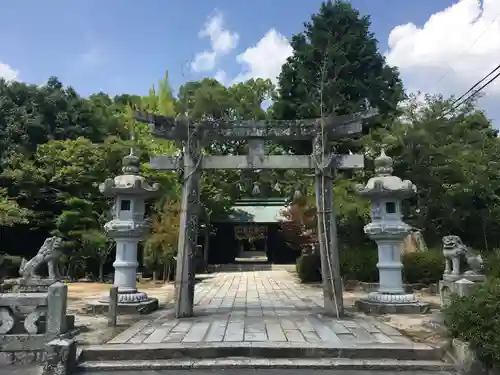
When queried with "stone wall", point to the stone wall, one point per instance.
{"points": [[466, 360], [30, 322]]}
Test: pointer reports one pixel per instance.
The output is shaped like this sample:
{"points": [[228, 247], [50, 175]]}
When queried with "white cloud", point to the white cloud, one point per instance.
{"points": [[221, 76], [265, 59], [454, 49], [222, 41], [204, 61], [8, 73]]}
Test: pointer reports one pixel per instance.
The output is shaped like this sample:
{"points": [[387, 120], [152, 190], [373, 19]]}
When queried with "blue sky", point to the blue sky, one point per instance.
{"points": [[125, 46]]}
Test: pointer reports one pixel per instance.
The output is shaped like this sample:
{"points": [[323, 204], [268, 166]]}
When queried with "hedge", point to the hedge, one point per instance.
{"points": [[309, 268], [424, 267], [475, 319]]}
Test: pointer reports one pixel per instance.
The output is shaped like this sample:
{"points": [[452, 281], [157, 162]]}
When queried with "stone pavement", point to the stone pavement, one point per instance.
{"points": [[23, 370], [264, 306], [263, 319]]}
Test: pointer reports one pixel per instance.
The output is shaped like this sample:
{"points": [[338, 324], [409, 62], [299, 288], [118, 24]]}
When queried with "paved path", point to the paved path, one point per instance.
{"points": [[249, 307], [26, 370]]}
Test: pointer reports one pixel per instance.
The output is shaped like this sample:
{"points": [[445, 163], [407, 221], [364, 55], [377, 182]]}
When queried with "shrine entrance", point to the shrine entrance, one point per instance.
{"points": [[251, 233], [251, 240], [323, 160]]}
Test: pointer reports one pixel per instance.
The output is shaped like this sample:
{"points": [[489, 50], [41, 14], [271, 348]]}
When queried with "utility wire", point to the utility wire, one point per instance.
{"points": [[475, 85], [448, 70], [478, 90], [466, 96]]}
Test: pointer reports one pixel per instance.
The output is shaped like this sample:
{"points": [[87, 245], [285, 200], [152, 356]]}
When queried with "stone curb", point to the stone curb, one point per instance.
{"points": [[267, 363], [137, 352]]}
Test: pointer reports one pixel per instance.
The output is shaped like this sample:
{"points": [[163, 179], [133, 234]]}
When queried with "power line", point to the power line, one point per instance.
{"points": [[477, 84], [478, 90], [465, 97], [448, 70]]}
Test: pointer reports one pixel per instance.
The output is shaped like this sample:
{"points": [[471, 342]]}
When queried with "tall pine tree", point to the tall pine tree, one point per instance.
{"points": [[336, 63]]}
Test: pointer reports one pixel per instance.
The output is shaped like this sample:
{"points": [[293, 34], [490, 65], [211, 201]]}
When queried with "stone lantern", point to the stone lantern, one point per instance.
{"points": [[386, 193], [127, 228]]}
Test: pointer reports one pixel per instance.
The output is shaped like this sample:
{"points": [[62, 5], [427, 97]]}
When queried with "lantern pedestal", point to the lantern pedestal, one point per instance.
{"points": [[388, 230], [127, 228], [383, 303]]}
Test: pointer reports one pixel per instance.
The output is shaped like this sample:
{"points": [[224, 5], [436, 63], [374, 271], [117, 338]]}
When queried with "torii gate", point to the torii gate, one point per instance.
{"points": [[194, 134]]}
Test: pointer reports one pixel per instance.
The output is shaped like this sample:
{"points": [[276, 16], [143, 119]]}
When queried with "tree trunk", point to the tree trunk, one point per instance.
{"points": [[68, 272], [155, 276], [205, 247], [165, 268], [101, 272]]}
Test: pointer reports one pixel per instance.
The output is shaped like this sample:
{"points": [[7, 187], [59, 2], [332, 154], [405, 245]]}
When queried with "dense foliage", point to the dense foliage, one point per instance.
{"points": [[360, 264], [474, 319]]}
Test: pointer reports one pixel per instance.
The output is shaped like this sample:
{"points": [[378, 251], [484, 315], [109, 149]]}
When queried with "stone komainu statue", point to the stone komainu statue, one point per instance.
{"points": [[49, 254], [454, 250]]}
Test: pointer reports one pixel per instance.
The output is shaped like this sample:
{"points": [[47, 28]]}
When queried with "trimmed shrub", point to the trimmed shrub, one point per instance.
{"points": [[359, 265], [423, 267], [309, 267], [354, 265], [474, 320]]}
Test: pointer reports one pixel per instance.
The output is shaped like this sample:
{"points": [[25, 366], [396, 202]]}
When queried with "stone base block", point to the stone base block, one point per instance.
{"points": [[465, 359], [143, 307], [60, 357], [70, 323], [22, 342], [33, 285], [371, 307], [468, 275], [22, 358]]}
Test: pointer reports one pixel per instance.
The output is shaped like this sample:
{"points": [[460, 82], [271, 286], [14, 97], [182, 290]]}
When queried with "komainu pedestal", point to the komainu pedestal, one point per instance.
{"points": [[31, 281], [454, 278]]}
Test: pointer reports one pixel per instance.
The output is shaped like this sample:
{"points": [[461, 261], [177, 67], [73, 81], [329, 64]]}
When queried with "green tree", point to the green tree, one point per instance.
{"points": [[161, 245], [78, 218], [97, 243], [10, 212], [453, 157], [335, 69], [31, 115], [248, 98]]}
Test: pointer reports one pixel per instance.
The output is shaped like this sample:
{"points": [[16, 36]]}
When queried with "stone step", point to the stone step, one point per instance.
{"points": [[266, 350], [250, 267], [338, 364]]}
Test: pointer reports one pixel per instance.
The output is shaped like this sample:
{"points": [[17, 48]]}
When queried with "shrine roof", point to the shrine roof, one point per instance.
{"points": [[256, 210]]}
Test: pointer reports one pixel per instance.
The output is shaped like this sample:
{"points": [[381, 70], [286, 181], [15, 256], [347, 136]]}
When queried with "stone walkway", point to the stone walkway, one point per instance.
{"points": [[257, 307]]}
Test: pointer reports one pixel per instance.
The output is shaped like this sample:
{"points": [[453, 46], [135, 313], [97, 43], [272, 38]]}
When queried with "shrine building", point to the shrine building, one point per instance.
{"points": [[250, 233]]}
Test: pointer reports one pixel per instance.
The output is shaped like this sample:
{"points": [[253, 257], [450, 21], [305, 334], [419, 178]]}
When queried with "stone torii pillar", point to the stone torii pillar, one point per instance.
{"points": [[325, 164], [188, 229], [255, 132]]}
